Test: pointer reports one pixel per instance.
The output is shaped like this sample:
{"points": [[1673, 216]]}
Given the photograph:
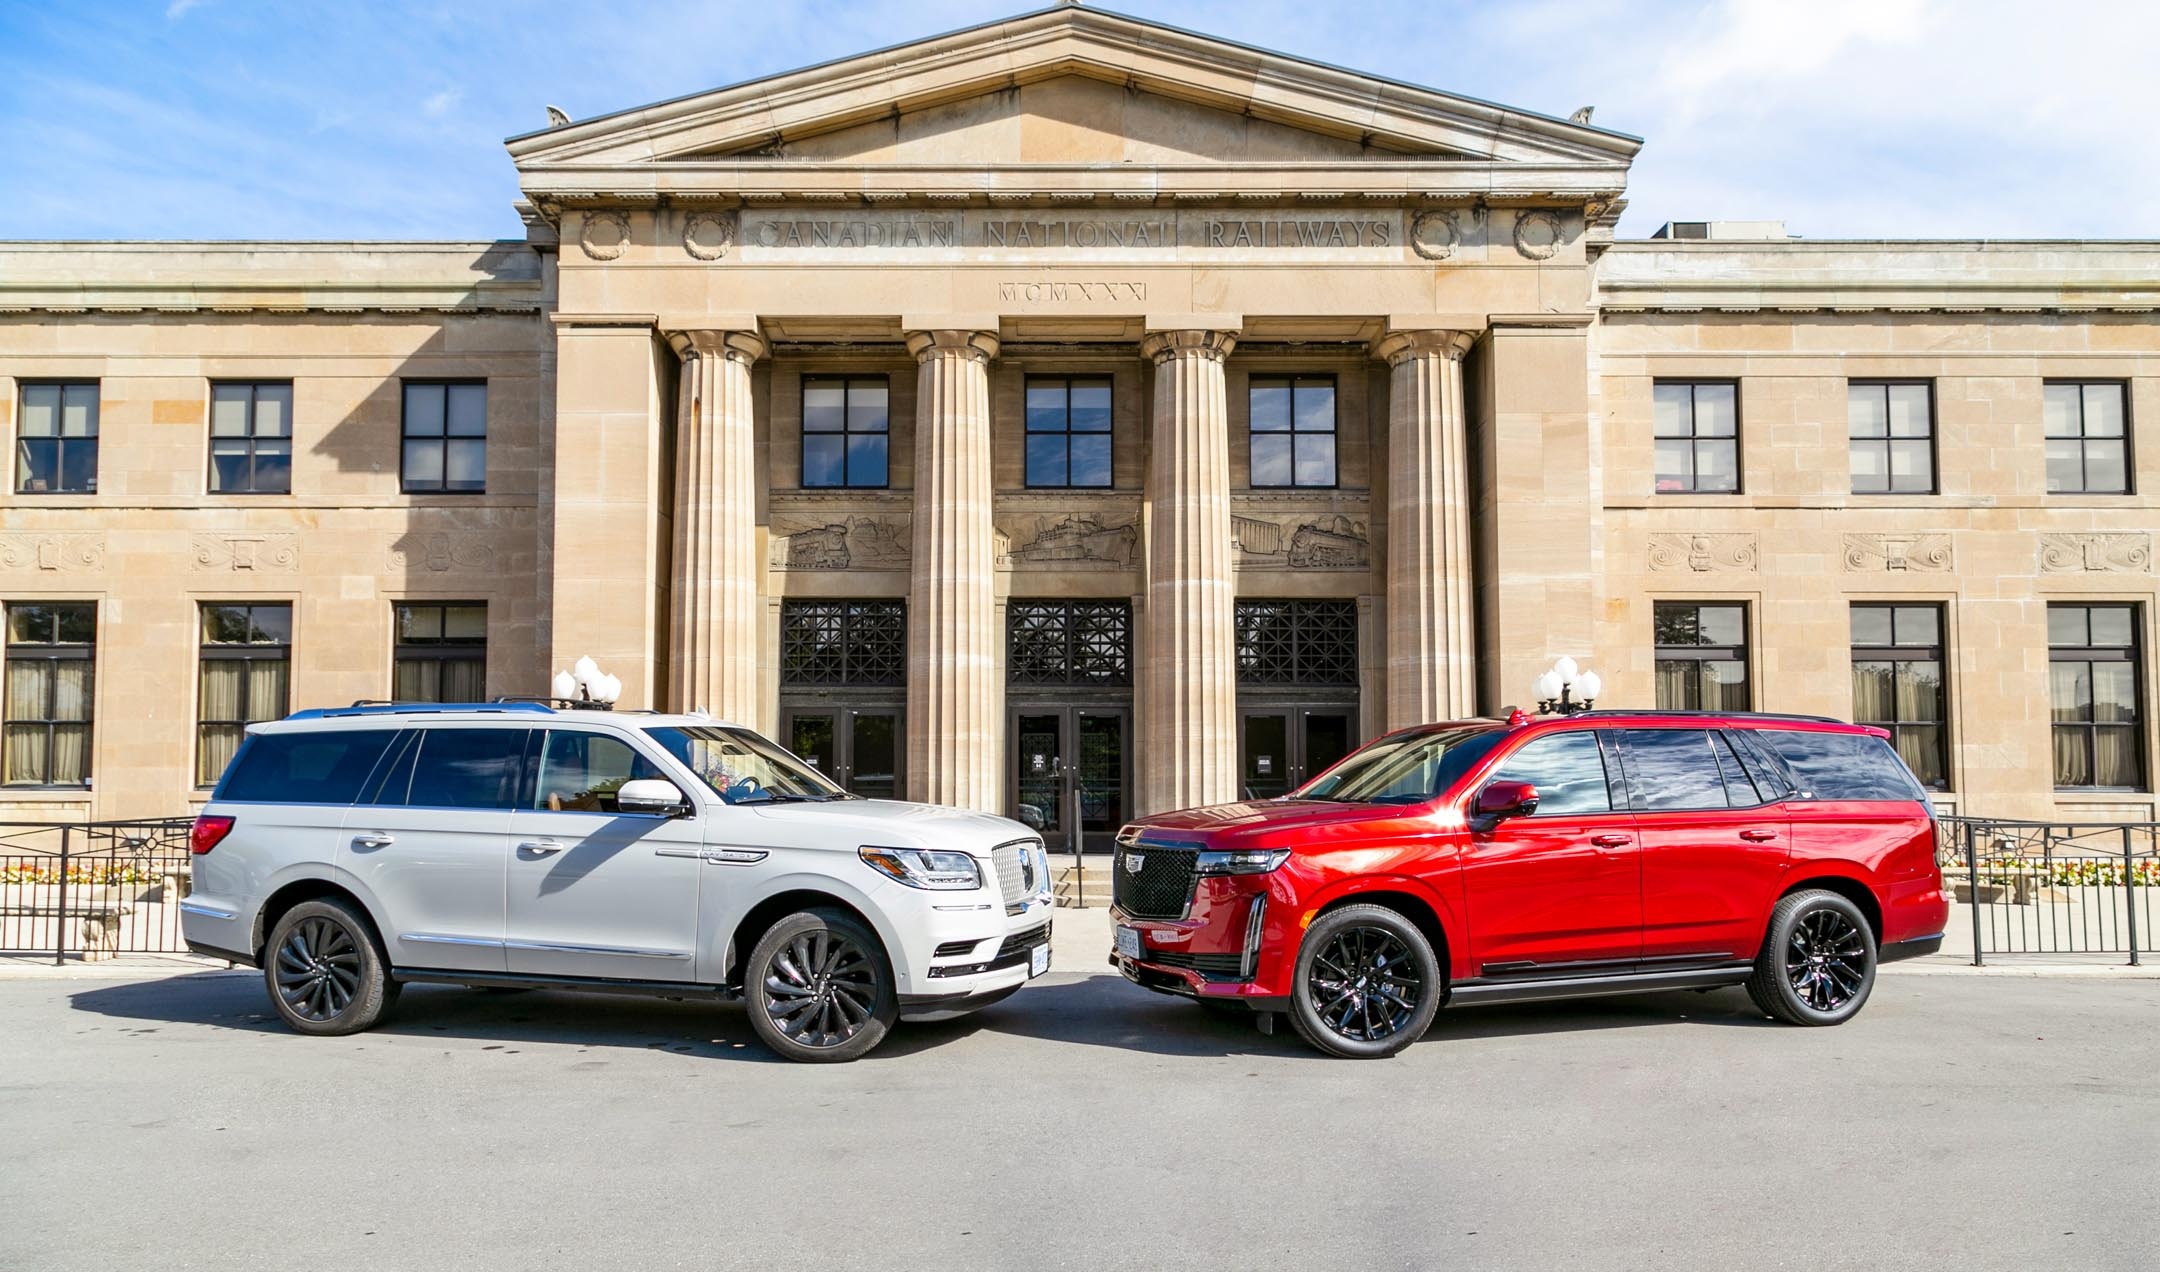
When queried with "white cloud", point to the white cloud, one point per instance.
{"points": [[178, 9], [442, 103]]}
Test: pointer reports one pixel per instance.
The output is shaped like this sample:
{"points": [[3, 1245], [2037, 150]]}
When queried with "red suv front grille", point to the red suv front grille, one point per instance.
{"points": [[1162, 886]]}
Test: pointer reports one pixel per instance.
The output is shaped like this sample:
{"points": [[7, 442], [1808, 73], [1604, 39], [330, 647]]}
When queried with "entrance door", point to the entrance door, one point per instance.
{"points": [[1052, 748], [1282, 748], [859, 747]]}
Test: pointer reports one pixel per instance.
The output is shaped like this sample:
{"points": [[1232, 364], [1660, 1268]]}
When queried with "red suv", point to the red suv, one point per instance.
{"points": [[1604, 852]]}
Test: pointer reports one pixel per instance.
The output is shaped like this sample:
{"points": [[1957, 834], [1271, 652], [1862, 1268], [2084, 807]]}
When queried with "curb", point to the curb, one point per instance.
{"points": [[2065, 971]]}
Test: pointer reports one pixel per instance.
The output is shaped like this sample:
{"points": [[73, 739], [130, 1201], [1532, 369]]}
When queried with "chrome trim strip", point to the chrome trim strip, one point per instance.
{"points": [[678, 852], [429, 938], [1252, 938], [207, 911], [552, 948]]}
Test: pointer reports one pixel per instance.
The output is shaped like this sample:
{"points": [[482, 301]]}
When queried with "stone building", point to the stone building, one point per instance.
{"points": [[1073, 392]]}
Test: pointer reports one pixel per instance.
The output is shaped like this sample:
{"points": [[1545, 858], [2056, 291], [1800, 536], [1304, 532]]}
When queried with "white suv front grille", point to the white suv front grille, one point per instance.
{"points": [[1016, 864]]}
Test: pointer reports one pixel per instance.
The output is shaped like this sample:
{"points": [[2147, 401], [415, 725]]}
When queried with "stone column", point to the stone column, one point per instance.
{"points": [[956, 701], [1189, 715], [713, 627], [1431, 630]]}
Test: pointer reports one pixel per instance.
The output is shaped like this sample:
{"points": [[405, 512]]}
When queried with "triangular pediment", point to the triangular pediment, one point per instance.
{"points": [[1072, 85]]}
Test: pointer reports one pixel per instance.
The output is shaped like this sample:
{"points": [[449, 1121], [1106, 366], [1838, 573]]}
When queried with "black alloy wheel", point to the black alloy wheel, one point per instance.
{"points": [[324, 972], [1367, 983], [1817, 962], [819, 987], [1826, 960]]}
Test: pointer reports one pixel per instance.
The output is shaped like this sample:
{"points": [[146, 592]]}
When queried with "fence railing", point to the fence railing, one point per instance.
{"points": [[93, 889], [2054, 887]]}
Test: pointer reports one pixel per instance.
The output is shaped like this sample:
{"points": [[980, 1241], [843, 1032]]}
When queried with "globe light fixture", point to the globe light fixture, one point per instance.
{"points": [[586, 685], [1565, 688]]}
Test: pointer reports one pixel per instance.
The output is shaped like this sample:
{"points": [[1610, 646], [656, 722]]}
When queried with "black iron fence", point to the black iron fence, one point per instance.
{"points": [[93, 889], [2054, 887]]}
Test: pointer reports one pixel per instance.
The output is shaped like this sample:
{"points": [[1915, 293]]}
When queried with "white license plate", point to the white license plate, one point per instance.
{"points": [[1128, 942], [1038, 961]]}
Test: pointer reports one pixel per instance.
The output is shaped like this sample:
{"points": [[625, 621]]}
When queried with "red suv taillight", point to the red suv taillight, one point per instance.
{"points": [[206, 832]]}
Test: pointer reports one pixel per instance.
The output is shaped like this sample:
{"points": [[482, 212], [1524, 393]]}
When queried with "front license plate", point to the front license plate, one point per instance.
{"points": [[1128, 942], [1038, 961]]}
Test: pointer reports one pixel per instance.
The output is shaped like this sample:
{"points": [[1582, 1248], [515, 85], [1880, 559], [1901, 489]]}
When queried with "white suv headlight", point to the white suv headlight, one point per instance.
{"points": [[924, 868]]}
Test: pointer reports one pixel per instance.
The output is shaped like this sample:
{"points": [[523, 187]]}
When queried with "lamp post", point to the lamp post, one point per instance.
{"points": [[1566, 688], [585, 685]]}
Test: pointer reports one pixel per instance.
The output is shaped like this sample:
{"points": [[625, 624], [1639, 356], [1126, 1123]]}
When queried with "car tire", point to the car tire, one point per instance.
{"points": [[820, 988], [325, 971], [1817, 962], [1349, 954]]}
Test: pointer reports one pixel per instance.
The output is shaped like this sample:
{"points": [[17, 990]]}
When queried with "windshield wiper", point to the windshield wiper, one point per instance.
{"points": [[779, 797]]}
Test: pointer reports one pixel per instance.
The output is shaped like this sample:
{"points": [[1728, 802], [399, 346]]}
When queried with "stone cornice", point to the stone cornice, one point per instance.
{"points": [[269, 278], [1860, 277]]}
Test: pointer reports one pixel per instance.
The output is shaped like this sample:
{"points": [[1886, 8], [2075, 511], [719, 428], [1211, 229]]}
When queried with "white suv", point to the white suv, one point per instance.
{"points": [[346, 852]]}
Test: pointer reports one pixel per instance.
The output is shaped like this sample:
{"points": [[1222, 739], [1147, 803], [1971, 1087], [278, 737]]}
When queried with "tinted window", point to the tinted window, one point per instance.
{"points": [[1672, 770], [1405, 770], [325, 767], [466, 768], [580, 772], [1739, 787], [1843, 765], [1568, 771]]}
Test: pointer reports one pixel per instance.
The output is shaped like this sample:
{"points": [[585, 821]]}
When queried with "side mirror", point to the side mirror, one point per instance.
{"points": [[651, 795], [1500, 800]]}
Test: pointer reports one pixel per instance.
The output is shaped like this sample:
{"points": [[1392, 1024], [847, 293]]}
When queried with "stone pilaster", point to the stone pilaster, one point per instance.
{"points": [[1189, 712], [713, 623], [956, 700], [1431, 627]]}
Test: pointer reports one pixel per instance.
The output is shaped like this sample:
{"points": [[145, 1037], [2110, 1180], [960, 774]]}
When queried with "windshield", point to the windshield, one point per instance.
{"points": [[743, 768], [1405, 770]]}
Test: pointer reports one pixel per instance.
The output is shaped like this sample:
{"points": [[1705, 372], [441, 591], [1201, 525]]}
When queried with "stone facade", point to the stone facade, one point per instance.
{"points": [[1072, 198]]}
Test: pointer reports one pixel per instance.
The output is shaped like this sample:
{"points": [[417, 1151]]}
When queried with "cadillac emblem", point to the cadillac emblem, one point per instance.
{"points": [[1134, 861]]}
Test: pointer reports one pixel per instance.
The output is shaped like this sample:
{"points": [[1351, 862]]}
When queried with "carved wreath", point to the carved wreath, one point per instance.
{"points": [[605, 235], [708, 235], [1537, 234], [1434, 235]]}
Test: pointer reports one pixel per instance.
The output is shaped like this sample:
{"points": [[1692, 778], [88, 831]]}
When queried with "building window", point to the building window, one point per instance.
{"points": [[1702, 657], [1293, 431], [2093, 692], [51, 652], [56, 441], [857, 643], [1697, 431], [1897, 676], [250, 439], [1075, 643], [2088, 439], [445, 437], [846, 426], [1297, 644], [1068, 432], [1892, 426], [246, 675], [440, 653]]}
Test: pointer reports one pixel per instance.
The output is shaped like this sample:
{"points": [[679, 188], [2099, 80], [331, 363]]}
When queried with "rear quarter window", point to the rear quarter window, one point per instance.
{"points": [[315, 767], [1844, 765]]}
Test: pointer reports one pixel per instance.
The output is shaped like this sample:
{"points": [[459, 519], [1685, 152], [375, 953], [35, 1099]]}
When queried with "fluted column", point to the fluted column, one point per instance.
{"points": [[1189, 713], [713, 621], [1431, 630], [956, 701]]}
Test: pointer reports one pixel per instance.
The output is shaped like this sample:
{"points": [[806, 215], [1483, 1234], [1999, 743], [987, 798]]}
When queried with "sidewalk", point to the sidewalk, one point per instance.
{"points": [[117, 967]]}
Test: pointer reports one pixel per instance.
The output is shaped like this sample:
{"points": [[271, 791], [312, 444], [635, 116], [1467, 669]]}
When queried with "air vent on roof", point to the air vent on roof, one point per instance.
{"points": [[1758, 231]]}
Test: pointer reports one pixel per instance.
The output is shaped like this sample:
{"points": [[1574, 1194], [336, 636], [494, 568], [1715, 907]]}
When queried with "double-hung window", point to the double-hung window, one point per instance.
{"points": [[1898, 684], [1697, 437], [56, 439], [2088, 438], [445, 437], [441, 652], [1702, 656], [846, 431], [1068, 432], [1892, 429], [246, 676], [1293, 430], [2094, 696], [251, 439], [51, 658]]}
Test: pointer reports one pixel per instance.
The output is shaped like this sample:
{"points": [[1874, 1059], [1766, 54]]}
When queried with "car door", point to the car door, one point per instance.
{"points": [[428, 843], [1713, 845], [1562, 886], [593, 891]]}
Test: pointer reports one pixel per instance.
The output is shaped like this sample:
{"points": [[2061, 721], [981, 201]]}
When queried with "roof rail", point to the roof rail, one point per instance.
{"points": [[372, 707], [1688, 713]]}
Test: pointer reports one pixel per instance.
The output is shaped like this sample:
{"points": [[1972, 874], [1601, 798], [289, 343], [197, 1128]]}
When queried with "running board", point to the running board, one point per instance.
{"points": [[574, 984], [1478, 991]]}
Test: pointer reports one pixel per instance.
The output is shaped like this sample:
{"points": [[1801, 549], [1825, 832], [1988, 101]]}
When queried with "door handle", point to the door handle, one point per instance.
{"points": [[1758, 836], [374, 839], [1612, 841], [541, 847]]}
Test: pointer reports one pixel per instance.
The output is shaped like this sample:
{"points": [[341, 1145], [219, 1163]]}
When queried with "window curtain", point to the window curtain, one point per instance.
{"points": [[2073, 765], [57, 756], [464, 680], [2115, 758]]}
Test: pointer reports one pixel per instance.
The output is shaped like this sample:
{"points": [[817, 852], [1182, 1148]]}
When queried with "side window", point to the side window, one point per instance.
{"points": [[1854, 766], [1672, 770], [1568, 771], [1739, 787], [316, 767], [466, 768], [580, 772]]}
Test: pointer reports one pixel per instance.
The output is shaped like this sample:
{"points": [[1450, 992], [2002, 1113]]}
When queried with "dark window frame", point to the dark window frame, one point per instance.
{"points": [[1089, 632], [875, 660], [60, 440], [238, 651], [2084, 439], [437, 649], [1934, 436], [1902, 653], [2089, 655], [407, 438], [1029, 432], [1663, 653], [1287, 663], [846, 431], [53, 650], [1333, 431], [251, 437], [1696, 439]]}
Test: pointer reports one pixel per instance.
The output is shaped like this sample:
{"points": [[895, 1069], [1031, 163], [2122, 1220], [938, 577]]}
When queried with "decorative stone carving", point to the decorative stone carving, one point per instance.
{"points": [[247, 552], [1538, 234], [1704, 553], [1302, 543], [2095, 553], [1918, 553], [852, 543], [443, 553], [605, 235], [52, 552], [1076, 540], [1435, 235], [709, 235]]}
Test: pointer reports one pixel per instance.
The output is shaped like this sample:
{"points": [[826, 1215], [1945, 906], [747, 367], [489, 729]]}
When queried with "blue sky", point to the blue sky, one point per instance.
{"points": [[384, 119]]}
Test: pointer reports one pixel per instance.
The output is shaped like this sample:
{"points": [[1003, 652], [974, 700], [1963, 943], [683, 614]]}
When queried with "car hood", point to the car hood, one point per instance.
{"points": [[892, 823], [1248, 816]]}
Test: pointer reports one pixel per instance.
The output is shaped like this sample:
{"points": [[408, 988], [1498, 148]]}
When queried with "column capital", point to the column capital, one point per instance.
{"points": [[1214, 345], [1399, 346], [974, 344], [744, 345]]}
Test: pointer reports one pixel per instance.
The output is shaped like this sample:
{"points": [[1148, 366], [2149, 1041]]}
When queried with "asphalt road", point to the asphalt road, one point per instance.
{"points": [[1085, 1124]]}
